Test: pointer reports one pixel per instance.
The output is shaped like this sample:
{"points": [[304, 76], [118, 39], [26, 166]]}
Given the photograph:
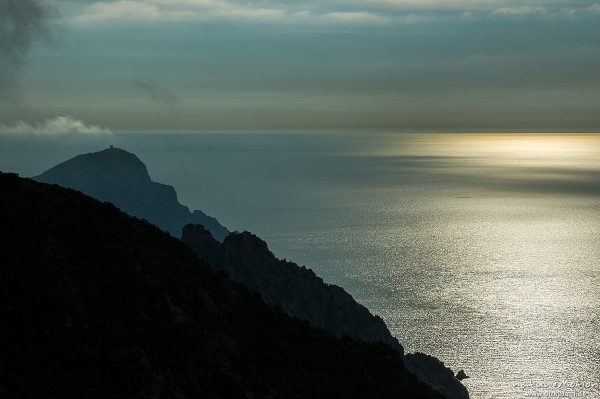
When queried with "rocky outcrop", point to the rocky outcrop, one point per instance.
{"points": [[117, 176], [461, 375], [296, 290], [433, 372]]}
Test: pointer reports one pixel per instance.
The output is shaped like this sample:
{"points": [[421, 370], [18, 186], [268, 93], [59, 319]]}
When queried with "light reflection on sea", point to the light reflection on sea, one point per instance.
{"points": [[481, 249]]}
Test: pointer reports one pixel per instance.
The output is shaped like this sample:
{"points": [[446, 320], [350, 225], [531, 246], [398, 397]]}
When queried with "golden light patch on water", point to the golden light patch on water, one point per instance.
{"points": [[514, 145], [581, 148]]}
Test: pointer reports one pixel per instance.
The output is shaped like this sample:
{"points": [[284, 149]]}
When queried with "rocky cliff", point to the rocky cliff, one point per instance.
{"points": [[118, 176], [434, 373], [296, 290], [97, 304], [301, 293]]}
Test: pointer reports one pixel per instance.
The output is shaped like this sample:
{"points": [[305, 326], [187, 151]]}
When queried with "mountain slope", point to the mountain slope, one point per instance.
{"points": [[299, 292], [96, 304], [118, 176], [296, 290]]}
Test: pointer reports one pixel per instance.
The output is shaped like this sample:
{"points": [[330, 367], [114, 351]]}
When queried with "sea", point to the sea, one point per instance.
{"points": [[482, 249]]}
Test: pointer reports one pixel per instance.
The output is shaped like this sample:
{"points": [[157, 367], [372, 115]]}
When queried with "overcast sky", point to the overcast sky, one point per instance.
{"points": [[192, 65]]}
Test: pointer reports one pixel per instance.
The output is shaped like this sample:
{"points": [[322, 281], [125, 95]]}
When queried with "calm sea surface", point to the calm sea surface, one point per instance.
{"points": [[481, 249]]}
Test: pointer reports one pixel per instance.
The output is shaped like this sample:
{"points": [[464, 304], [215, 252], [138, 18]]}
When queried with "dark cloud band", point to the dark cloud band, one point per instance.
{"points": [[22, 23]]}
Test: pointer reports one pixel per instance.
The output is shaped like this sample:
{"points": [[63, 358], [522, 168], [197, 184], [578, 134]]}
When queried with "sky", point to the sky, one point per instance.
{"points": [[196, 65]]}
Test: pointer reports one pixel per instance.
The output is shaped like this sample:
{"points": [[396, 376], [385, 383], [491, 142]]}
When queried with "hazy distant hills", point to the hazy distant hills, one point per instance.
{"points": [[118, 176], [97, 304]]}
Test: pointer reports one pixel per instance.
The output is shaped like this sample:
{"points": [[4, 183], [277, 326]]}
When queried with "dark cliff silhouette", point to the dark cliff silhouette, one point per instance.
{"points": [[433, 372], [296, 290], [301, 293], [118, 176], [96, 304]]}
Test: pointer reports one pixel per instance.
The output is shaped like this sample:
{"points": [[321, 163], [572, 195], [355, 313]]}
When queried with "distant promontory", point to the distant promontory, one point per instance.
{"points": [[117, 176]]}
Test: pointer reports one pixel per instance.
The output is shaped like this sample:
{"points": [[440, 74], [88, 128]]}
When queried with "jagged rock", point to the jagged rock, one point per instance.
{"points": [[120, 177], [297, 290], [301, 293], [433, 372], [461, 375]]}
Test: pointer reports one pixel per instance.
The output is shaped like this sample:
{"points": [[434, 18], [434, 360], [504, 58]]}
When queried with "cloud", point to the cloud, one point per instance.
{"points": [[22, 23], [312, 11], [475, 5], [519, 11], [155, 92], [593, 9], [356, 17], [174, 10], [430, 5], [61, 125], [202, 10], [128, 10]]}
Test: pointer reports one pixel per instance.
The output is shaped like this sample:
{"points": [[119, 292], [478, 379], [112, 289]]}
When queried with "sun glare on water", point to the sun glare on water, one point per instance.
{"points": [[532, 145], [574, 149]]}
